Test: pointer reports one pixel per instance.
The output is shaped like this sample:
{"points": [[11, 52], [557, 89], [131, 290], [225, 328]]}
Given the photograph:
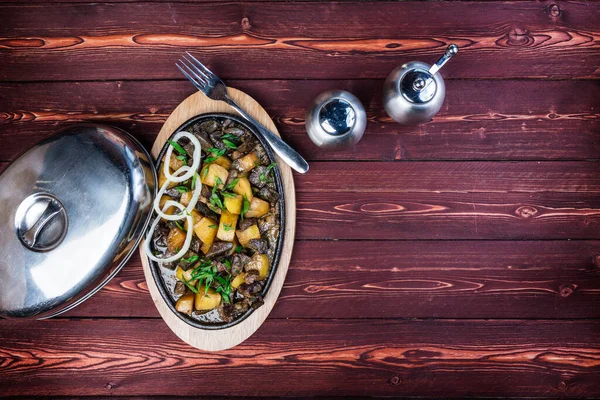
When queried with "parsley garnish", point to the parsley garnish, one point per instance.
{"points": [[182, 189], [227, 227], [177, 148], [238, 248], [213, 226]]}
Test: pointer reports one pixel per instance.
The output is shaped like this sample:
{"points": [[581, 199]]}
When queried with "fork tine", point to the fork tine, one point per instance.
{"points": [[196, 84], [193, 65], [206, 71], [203, 81]]}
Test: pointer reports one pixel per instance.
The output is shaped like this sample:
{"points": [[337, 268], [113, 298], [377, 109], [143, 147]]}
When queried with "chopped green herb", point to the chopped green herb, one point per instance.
{"points": [[182, 158], [227, 263], [187, 283], [245, 207], [179, 226], [227, 194], [204, 173], [230, 136], [238, 248], [194, 179], [229, 144], [182, 189], [213, 226], [216, 201], [177, 148], [232, 184], [192, 259], [227, 227], [264, 175], [156, 252], [216, 153]]}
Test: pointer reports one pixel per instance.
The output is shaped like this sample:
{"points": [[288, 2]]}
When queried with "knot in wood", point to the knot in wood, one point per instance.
{"points": [[526, 211], [246, 24], [597, 261], [109, 386], [554, 10], [562, 386], [519, 37], [395, 380], [566, 290]]}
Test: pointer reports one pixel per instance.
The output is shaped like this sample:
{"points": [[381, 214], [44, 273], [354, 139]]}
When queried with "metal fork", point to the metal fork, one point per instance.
{"points": [[209, 84]]}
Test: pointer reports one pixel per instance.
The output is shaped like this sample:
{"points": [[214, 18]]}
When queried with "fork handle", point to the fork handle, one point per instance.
{"points": [[283, 150]]}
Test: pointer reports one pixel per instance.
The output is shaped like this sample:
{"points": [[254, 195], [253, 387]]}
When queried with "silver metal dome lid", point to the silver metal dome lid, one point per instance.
{"points": [[72, 210]]}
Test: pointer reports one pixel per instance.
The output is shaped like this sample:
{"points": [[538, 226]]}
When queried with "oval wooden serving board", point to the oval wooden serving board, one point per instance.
{"points": [[214, 340]]}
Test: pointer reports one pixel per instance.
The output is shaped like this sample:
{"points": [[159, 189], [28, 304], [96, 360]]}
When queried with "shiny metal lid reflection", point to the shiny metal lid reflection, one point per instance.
{"points": [[72, 209]]}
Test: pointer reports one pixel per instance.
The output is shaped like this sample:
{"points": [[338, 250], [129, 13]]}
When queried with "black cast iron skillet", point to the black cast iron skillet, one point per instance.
{"points": [[156, 269]]}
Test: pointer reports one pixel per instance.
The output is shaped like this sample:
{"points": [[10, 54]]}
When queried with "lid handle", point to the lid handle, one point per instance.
{"points": [[41, 222], [51, 211], [450, 51]]}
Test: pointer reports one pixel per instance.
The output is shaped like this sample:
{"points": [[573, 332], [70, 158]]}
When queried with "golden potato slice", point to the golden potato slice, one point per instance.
{"points": [[258, 208], [238, 280], [206, 230], [161, 204], [175, 240], [185, 304], [211, 172], [223, 162], [246, 235], [260, 264], [227, 226], [244, 188], [248, 162], [233, 204], [162, 177], [207, 301]]}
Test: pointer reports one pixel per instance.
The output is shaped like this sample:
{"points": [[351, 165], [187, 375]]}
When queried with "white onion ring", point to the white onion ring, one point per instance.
{"points": [[191, 205], [186, 244], [189, 172], [196, 157]]}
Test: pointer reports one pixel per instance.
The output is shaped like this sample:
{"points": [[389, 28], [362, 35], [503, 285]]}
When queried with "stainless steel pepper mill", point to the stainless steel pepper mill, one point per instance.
{"points": [[414, 92]]}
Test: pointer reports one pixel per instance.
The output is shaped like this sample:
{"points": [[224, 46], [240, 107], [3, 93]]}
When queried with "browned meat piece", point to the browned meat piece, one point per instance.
{"points": [[257, 301], [250, 277], [258, 176], [219, 249], [188, 260], [160, 236], [180, 289], [174, 193], [267, 222], [207, 212], [210, 126], [241, 307], [227, 123], [262, 155], [238, 261], [195, 245], [233, 175], [234, 131], [169, 265], [258, 245], [246, 147], [226, 311], [250, 290], [215, 138], [267, 194], [202, 137], [221, 267], [247, 223], [205, 191]]}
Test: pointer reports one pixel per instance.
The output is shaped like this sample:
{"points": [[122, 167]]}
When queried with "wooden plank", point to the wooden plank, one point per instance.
{"points": [[431, 279], [448, 200], [523, 120], [296, 40], [305, 357]]}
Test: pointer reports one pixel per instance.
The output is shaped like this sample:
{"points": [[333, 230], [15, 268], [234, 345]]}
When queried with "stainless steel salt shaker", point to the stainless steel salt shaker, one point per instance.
{"points": [[335, 120], [414, 92]]}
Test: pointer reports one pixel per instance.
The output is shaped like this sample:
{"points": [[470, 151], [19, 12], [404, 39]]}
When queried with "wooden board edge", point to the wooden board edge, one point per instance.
{"points": [[215, 340]]}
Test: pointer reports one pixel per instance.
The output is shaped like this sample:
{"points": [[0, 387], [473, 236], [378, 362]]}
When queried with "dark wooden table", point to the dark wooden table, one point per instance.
{"points": [[459, 257]]}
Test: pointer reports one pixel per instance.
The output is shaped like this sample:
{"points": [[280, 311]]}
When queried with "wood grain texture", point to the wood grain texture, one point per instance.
{"points": [[430, 279], [221, 339], [296, 40], [312, 357], [449, 200], [522, 120]]}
